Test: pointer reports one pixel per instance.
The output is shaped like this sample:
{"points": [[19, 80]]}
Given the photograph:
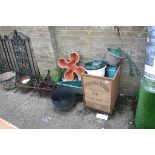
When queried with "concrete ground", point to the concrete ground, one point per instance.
{"points": [[30, 111]]}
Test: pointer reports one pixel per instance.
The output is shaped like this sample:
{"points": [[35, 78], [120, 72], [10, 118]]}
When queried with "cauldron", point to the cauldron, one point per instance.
{"points": [[63, 98]]}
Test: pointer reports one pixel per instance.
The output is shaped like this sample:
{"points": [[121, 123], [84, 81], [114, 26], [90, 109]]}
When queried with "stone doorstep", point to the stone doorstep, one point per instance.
{"points": [[6, 125]]}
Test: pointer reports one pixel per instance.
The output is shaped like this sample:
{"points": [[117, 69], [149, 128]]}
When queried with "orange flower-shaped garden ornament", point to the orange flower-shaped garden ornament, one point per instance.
{"points": [[71, 66]]}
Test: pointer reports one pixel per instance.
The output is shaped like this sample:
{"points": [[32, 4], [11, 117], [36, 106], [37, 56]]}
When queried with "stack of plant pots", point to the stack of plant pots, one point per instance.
{"points": [[96, 67]]}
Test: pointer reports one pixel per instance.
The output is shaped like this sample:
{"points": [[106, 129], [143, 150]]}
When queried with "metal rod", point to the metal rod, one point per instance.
{"points": [[6, 57], [5, 40], [1, 85], [12, 55], [34, 87], [28, 41], [15, 54], [28, 57]]}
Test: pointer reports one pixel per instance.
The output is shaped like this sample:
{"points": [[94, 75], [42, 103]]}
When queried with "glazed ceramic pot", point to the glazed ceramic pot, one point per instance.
{"points": [[24, 83], [71, 66], [8, 80]]}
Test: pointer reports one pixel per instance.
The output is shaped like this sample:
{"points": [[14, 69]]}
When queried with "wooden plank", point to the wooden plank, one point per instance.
{"points": [[6, 125]]}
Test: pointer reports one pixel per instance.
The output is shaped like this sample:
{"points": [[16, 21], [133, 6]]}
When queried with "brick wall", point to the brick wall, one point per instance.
{"points": [[91, 42], [50, 43], [41, 44]]}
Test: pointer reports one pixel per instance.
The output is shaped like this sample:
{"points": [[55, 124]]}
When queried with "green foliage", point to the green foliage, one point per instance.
{"points": [[41, 78], [57, 74], [61, 71]]}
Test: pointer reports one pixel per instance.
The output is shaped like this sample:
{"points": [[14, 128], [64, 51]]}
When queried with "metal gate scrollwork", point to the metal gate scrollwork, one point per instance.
{"points": [[16, 51]]}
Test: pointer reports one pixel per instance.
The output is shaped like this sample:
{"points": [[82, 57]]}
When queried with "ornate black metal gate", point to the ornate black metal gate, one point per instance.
{"points": [[16, 54]]}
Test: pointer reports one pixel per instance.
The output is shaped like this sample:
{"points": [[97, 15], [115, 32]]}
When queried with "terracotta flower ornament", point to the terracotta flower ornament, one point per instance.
{"points": [[71, 66]]}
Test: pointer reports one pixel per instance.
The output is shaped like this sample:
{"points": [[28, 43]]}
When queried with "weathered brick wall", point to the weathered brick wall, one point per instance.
{"points": [[50, 43], [91, 42], [41, 44]]}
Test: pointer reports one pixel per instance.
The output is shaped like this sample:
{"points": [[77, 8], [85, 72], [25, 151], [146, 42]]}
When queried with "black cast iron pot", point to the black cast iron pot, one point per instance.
{"points": [[63, 98]]}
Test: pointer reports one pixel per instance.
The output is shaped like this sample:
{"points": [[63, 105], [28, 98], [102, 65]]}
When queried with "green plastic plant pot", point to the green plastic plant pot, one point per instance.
{"points": [[76, 85]]}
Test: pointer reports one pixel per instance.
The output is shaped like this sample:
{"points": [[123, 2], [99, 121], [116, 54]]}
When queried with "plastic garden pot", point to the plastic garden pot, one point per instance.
{"points": [[71, 66], [111, 71], [8, 80], [98, 72], [96, 67], [114, 57], [76, 85], [63, 98], [95, 64]]}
